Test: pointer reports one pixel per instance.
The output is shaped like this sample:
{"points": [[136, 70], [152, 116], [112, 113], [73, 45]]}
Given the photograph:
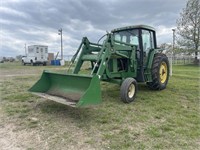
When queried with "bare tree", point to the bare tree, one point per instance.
{"points": [[188, 26]]}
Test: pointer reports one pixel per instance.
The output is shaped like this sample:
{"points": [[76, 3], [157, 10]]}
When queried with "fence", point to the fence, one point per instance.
{"points": [[176, 60], [181, 60], [173, 60]]}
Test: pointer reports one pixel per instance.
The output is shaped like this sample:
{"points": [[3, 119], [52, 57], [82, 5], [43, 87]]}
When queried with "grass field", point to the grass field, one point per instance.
{"points": [[167, 119]]}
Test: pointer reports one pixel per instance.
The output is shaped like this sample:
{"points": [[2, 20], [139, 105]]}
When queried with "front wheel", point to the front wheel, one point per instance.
{"points": [[128, 90], [32, 63], [159, 72]]}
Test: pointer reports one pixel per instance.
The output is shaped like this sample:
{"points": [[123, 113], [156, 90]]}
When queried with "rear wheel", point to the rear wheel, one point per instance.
{"points": [[128, 90], [32, 64], [160, 72]]}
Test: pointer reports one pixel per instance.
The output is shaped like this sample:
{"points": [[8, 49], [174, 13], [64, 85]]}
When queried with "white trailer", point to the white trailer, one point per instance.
{"points": [[36, 54]]}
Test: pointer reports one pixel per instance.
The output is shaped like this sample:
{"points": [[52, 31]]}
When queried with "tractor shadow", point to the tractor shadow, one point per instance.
{"points": [[86, 116], [64, 113]]}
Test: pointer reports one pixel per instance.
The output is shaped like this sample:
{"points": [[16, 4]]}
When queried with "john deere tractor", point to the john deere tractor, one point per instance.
{"points": [[126, 56]]}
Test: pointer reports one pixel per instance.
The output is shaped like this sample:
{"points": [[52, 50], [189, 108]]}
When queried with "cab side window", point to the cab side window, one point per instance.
{"points": [[134, 40]]}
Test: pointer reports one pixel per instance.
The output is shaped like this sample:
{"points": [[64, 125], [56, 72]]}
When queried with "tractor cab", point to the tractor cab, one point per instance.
{"points": [[144, 38]]}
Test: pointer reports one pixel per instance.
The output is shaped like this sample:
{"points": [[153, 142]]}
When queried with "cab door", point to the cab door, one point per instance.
{"points": [[147, 44]]}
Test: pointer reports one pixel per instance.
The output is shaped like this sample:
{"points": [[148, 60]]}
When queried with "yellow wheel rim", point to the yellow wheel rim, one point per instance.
{"points": [[131, 90], [163, 72]]}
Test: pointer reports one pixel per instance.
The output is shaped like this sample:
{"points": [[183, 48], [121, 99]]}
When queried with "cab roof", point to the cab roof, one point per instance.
{"points": [[134, 27]]}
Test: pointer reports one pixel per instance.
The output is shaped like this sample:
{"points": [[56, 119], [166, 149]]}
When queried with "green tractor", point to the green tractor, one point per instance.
{"points": [[128, 55]]}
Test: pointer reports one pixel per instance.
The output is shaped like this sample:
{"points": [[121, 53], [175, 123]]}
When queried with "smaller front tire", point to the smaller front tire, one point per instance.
{"points": [[128, 90]]}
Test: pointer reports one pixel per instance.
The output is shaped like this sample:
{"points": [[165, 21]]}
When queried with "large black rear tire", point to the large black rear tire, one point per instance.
{"points": [[128, 90], [159, 72]]}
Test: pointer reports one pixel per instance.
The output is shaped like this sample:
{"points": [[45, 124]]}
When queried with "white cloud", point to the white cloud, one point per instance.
{"points": [[10, 41], [13, 12], [37, 22], [164, 34]]}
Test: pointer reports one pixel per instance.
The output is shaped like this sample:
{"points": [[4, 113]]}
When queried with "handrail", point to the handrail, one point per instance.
{"points": [[120, 42], [96, 44]]}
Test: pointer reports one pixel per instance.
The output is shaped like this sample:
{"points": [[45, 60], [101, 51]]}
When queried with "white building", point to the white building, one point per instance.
{"points": [[36, 54]]}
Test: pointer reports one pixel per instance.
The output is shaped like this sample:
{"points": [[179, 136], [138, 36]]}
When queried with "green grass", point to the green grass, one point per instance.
{"points": [[167, 119]]}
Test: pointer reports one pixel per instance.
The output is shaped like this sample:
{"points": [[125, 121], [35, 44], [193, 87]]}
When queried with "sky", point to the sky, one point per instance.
{"points": [[36, 22]]}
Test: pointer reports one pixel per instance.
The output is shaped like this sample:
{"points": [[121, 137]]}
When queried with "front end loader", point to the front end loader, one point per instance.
{"points": [[128, 55]]}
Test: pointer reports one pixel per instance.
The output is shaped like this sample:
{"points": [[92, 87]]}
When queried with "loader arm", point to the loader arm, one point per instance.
{"points": [[78, 90]]}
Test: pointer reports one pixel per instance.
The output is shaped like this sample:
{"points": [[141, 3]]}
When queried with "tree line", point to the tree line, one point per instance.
{"points": [[188, 28]]}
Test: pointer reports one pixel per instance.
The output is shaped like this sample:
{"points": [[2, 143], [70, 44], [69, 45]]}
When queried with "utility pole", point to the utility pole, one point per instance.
{"points": [[25, 48], [173, 44], [60, 33], [173, 39]]}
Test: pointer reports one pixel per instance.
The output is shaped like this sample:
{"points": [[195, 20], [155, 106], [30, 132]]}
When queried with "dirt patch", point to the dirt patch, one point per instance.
{"points": [[16, 75], [18, 72], [8, 138], [15, 135]]}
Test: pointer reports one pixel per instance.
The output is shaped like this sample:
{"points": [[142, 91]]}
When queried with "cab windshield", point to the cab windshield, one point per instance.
{"points": [[127, 36]]}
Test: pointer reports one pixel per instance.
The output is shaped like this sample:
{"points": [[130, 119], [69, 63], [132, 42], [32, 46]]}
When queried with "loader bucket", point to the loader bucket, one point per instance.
{"points": [[69, 89]]}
